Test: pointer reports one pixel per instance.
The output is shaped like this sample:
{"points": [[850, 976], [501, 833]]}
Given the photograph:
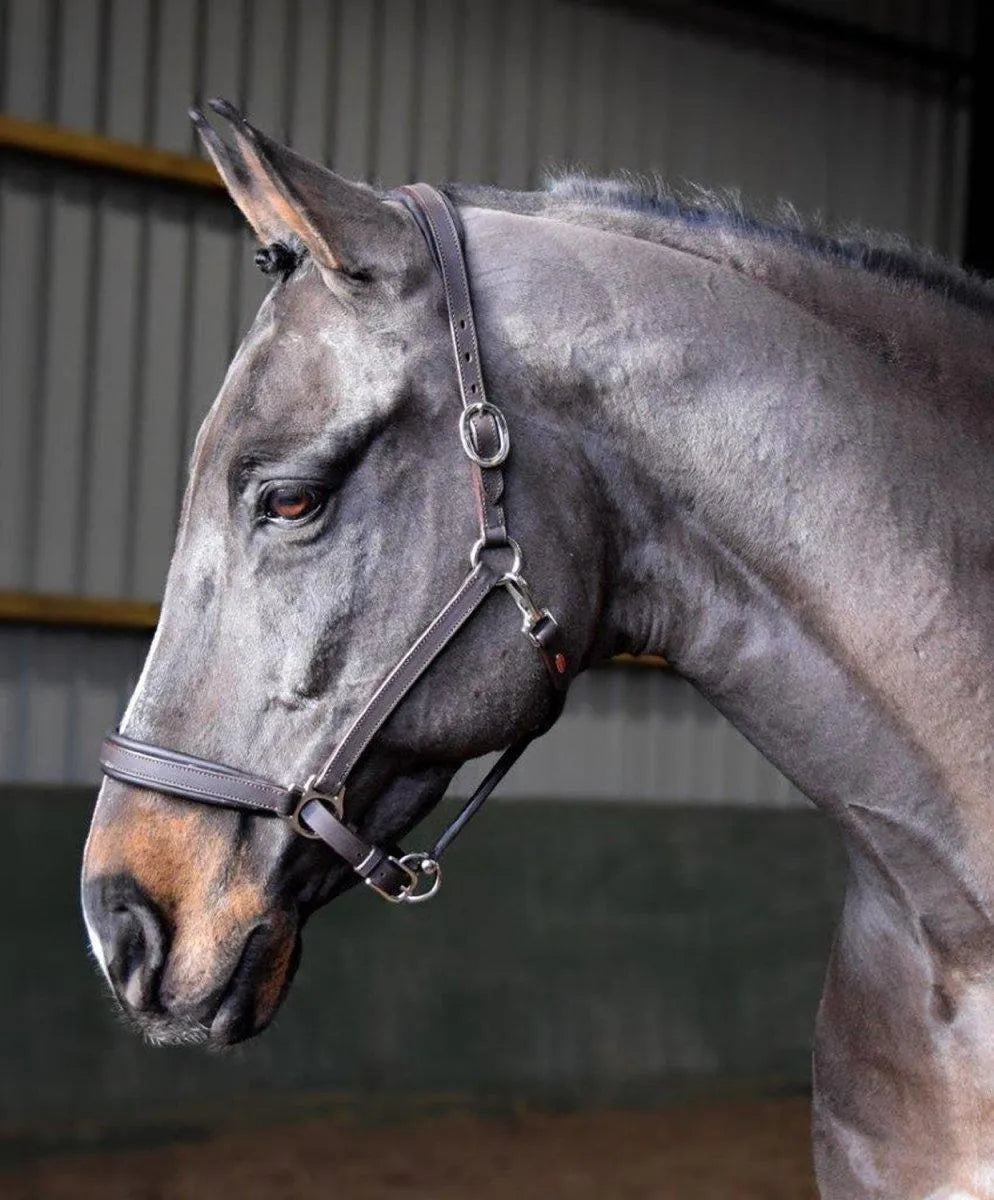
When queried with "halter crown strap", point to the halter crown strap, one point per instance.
{"points": [[316, 809], [482, 427]]}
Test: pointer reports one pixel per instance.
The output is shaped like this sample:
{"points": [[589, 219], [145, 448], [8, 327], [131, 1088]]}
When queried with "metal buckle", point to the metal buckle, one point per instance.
{"points": [[424, 867], [531, 614], [481, 408], [415, 866], [308, 793]]}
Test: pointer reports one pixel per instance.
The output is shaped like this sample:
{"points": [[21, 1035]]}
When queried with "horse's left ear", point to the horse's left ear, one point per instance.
{"points": [[346, 227]]}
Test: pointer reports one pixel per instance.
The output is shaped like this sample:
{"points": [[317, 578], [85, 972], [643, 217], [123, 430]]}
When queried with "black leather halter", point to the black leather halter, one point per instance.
{"points": [[317, 808]]}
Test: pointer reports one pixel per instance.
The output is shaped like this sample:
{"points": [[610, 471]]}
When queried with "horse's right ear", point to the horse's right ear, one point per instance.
{"points": [[346, 227]]}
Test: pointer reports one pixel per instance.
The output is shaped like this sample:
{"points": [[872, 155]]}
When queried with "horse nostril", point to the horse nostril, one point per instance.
{"points": [[136, 951], [130, 939]]}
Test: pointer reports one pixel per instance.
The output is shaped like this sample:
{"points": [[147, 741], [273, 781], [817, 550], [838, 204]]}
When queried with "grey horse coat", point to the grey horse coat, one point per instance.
{"points": [[764, 454]]}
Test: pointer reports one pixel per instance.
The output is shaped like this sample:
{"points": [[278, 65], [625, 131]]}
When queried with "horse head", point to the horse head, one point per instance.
{"points": [[327, 516]]}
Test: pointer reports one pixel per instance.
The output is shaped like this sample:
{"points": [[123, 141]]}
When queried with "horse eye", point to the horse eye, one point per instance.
{"points": [[292, 503]]}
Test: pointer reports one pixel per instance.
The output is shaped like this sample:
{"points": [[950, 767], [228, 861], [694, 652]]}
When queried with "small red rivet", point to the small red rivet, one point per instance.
{"points": [[561, 663]]}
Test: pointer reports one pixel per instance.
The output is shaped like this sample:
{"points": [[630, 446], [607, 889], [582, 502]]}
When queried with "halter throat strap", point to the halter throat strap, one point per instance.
{"points": [[316, 809]]}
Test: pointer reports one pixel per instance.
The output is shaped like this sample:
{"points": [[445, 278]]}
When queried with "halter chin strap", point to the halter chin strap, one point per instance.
{"points": [[316, 809]]}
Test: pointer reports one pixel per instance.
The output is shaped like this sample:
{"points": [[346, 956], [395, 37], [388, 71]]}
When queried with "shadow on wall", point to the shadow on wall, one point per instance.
{"points": [[580, 955]]}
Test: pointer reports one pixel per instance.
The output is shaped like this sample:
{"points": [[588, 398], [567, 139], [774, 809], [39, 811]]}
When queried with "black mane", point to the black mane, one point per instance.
{"points": [[887, 256]]}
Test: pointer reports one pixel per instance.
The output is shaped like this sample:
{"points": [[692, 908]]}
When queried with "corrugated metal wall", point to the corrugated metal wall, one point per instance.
{"points": [[121, 302]]}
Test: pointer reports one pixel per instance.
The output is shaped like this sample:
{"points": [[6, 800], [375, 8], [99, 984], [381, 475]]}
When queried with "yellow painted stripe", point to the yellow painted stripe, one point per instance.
{"points": [[87, 149], [77, 612]]}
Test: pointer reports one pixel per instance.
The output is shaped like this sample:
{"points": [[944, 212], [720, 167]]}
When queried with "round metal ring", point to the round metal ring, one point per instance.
{"points": [[480, 545], [424, 867], [481, 408]]}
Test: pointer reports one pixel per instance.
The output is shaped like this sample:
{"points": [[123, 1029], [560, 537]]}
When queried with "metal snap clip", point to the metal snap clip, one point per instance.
{"points": [[532, 614], [424, 867]]}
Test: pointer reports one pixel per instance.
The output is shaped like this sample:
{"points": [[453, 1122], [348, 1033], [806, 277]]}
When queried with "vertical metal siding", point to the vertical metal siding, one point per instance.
{"points": [[121, 303], [59, 693], [24, 214], [441, 74]]}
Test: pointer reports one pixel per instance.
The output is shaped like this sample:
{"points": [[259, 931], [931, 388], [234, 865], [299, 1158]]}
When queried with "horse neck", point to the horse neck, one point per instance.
{"points": [[773, 485]]}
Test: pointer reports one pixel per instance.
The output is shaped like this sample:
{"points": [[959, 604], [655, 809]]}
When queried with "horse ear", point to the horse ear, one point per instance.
{"points": [[346, 227]]}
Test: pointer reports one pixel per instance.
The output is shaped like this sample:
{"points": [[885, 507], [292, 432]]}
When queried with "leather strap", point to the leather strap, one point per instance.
{"points": [[482, 792], [180, 774], [475, 588], [485, 431], [373, 866], [488, 435]]}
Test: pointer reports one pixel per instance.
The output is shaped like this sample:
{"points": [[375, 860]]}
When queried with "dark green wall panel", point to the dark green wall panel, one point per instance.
{"points": [[579, 954]]}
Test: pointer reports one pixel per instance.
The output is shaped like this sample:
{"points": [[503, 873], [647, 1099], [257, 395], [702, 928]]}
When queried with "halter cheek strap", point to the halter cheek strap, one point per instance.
{"points": [[316, 809]]}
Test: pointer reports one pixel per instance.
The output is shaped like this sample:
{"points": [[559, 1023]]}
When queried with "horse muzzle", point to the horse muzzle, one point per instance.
{"points": [[176, 992], [195, 947]]}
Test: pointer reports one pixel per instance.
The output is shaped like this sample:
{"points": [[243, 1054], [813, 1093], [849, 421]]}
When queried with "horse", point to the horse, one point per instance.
{"points": [[762, 452]]}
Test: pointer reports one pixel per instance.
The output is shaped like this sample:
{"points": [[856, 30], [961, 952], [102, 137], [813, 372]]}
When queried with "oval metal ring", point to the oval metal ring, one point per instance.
{"points": [[424, 867], [481, 408], [480, 545]]}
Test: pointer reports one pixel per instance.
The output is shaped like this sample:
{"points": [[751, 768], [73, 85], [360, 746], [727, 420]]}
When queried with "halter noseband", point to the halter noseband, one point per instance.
{"points": [[316, 809]]}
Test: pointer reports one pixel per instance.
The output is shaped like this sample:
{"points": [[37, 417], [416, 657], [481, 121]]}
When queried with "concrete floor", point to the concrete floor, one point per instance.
{"points": [[731, 1151]]}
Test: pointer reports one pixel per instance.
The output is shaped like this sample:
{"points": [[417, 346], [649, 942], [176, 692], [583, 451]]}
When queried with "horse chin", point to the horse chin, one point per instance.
{"points": [[255, 991], [170, 1031]]}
